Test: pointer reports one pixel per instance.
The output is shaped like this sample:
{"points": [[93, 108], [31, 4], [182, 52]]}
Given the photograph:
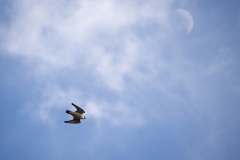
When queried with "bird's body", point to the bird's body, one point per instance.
{"points": [[77, 115]]}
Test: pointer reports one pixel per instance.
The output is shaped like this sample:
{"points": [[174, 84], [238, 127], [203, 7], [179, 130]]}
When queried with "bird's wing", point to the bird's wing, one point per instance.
{"points": [[79, 110], [74, 121]]}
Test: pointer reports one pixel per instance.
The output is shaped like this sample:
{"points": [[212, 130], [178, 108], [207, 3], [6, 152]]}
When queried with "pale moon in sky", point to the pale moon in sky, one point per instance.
{"points": [[188, 19]]}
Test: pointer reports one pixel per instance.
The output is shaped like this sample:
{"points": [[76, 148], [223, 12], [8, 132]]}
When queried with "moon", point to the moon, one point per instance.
{"points": [[188, 20]]}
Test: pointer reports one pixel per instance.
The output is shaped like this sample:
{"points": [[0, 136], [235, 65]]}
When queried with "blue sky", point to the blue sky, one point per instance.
{"points": [[158, 79]]}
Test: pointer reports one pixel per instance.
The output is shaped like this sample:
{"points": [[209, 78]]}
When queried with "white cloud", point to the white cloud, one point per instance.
{"points": [[57, 34], [97, 37], [117, 115], [56, 99], [119, 44], [53, 101], [126, 65]]}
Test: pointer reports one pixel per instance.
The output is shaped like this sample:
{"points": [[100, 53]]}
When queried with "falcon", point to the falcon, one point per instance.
{"points": [[77, 115]]}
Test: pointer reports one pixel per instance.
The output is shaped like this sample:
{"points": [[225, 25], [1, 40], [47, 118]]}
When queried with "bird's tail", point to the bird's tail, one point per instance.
{"points": [[67, 111]]}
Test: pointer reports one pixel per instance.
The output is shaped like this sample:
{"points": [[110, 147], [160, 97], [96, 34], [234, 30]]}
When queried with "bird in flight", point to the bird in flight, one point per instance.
{"points": [[77, 115]]}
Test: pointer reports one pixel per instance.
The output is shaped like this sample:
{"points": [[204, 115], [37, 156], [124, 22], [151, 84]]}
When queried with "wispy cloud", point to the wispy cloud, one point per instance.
{"points": [[97, 37], [119, 114], [120, 45], [55, 99], [52, 101], [129, 64]]}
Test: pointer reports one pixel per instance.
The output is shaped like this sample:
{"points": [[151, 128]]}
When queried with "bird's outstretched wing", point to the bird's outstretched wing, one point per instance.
{"points": [[74, 121], [79, 110]]}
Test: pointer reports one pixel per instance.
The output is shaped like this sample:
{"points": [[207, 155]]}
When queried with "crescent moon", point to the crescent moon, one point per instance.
{"points": [[188, 19]]}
